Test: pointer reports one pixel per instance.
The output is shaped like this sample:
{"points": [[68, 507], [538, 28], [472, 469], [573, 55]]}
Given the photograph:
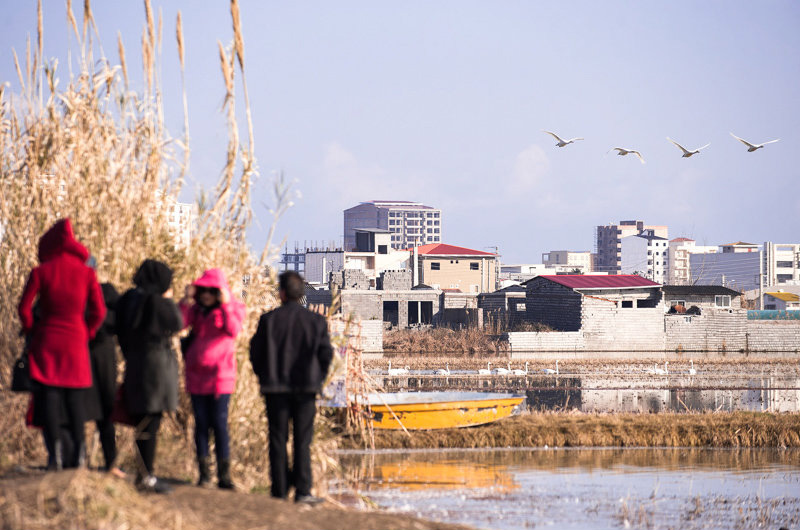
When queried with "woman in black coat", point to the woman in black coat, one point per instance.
{"points": [[147, 318], [103, 356]]}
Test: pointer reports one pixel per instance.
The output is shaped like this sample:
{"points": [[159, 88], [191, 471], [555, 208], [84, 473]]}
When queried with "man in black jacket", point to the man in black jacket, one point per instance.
{"points": [[290, 353]]}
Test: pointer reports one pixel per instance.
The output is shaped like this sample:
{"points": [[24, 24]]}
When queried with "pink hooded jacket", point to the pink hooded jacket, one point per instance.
{"points": [[211, 357]]}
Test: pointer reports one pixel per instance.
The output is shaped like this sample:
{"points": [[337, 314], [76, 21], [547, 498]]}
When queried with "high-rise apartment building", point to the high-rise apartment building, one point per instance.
{"points": [[781, 263], [679, 269], [609, 242], [645, 254], [410, 223]]}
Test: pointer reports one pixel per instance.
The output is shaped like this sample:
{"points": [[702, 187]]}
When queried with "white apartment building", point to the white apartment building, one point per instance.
{"points": [[568, 260], [645, 254], [181, 220], [372, 255], [608, 257], [678, 267], [781, 263], [410, 223]]}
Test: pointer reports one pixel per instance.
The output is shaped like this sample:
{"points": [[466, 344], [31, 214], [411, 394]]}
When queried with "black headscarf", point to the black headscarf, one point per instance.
{"points": [[152, 279]]}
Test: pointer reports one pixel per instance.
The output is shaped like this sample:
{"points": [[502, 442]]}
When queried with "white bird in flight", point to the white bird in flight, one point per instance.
{"points": [[686, 152], [622, 152], [753, 147], [561, 142]]}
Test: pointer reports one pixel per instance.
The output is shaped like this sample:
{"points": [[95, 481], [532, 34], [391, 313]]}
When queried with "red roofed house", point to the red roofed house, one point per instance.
{"points": [[448, 267], [606, 309]]}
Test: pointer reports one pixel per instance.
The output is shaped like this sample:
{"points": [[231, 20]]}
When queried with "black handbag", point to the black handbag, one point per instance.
{"points": [[186, 342], [21, 375]]}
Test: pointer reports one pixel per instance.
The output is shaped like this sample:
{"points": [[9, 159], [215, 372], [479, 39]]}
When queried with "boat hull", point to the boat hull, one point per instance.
{"points": [[426, 411]]}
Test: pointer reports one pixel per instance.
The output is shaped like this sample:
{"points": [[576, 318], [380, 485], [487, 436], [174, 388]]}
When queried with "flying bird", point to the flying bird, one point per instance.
{"points": [[753, 147], [622, 152], [686, 152], [561, 142]]}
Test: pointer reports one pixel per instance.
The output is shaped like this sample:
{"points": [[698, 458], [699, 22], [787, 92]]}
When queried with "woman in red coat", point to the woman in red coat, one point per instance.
{"points": [[71, 309]]}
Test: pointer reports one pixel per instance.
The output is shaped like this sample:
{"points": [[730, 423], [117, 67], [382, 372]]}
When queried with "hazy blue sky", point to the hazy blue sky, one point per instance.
{"points": [[444, 101]]}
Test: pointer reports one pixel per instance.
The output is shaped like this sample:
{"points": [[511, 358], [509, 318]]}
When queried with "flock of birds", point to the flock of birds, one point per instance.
{"points": [[655, 370], [622, 151]]}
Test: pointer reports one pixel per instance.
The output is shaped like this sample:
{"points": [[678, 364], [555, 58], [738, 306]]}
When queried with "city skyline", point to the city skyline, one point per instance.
{"points": [[445, 104]]}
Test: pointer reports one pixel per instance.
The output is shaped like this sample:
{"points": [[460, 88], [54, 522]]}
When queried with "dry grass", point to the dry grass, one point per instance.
{"points": [[443, 341], [735, 429], [92, 149]]}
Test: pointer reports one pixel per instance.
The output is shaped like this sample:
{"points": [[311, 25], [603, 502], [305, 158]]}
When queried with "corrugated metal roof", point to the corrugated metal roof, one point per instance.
{"points": [[786, 297], [591, 281], [441, 249]]}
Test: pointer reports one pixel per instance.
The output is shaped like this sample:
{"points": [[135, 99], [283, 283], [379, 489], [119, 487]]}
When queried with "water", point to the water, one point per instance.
{"points": [[511, 489]]}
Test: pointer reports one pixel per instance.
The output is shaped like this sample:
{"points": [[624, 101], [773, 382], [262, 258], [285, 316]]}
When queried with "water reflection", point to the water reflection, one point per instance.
{"points": [[585, 488]]}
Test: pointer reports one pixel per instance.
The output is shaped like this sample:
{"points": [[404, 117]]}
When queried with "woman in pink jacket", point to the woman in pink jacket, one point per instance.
{"points": [[215, 317]]}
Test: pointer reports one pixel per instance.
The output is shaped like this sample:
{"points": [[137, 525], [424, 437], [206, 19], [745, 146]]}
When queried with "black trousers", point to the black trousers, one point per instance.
{"points": [[301, 409], [146, 435], [62, 414]]}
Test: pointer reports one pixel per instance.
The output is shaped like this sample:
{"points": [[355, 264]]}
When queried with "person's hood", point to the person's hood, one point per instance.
{"points": [[58, 240], [213, 278], [153, 277]]}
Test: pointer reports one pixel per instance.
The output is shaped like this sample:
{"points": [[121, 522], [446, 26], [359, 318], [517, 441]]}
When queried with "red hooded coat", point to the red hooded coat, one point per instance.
{"points": [[59, 350]]}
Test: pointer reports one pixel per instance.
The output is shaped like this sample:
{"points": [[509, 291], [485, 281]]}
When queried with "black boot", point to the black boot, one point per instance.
{"points": [[204, 467], [224, 474], [55, 461]]}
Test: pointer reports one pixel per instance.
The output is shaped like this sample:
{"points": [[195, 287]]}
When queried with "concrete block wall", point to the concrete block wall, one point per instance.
{"points": [[532, 341], [607, 327], [364, 305], [349, 279], [554, 305], [711, 331], [399, 280], [371, 336], [773, 335], [459, 301]]}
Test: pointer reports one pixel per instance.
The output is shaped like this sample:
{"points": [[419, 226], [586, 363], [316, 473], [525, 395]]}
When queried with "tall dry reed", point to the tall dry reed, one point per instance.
{"points": [[91, 148]]}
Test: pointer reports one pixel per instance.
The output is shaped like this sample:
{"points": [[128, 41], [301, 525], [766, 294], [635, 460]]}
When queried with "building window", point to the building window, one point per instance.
{"points": [[784, 278], [786, 264], [434, 265], [673, 303], [722, 300], [474, 266], [521, 306], [382, 249], [627, 303]]}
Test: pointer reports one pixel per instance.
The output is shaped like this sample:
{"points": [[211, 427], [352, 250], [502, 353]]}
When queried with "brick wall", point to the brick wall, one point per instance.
{"points": [[529, 341], [400, 280], [554, 305], [608, 327], [349, 279]]}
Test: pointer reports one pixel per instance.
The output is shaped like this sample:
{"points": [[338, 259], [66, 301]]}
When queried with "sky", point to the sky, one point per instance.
{"points": [[445, 102]]}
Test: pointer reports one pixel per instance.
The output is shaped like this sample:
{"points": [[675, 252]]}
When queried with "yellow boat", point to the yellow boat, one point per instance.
{"points": [[440, 410]]}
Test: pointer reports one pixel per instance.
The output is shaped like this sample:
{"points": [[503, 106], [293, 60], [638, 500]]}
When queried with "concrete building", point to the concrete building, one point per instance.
{"points": [[645, 254], [574, 261], [781, 263], [604, 309], [782, 301], [609, 242], [703, 297], [443, 266], [735, 267], [410, 223], [181, 220], [678, 269], [372, 255], [506, 306]]}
